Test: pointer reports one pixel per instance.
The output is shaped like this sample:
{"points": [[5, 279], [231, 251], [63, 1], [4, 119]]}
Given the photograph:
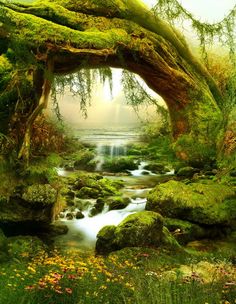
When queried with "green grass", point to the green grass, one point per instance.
{"points": [[137, 276]]}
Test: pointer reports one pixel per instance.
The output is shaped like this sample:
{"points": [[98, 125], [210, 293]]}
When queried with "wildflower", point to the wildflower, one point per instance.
{"points": [[69, 290], [29, 287]]}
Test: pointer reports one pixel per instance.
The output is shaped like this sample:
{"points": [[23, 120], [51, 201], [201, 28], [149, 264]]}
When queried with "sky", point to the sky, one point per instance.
{"points": [[112, 110]]}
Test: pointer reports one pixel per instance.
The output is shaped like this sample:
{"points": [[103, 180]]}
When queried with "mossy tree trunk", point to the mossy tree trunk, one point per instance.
{"points": [[123, 34]]}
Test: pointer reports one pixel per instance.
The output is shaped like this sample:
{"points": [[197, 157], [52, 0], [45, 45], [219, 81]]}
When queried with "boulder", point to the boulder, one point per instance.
{"points": [[156, 168], [79, 215], [187, 172], [105, 240], [121, 164], [184, 231], [140, 229], [69, 216], [15, 209], [204, 203], [40, 194], [169, 240], [87, 192], [119, 203]]}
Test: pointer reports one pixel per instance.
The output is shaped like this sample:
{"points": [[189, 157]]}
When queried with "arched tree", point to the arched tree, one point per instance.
{"points": [[59, 37]]}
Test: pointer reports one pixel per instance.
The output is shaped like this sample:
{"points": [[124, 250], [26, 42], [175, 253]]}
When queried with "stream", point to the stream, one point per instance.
{"points": [[82, 232]]}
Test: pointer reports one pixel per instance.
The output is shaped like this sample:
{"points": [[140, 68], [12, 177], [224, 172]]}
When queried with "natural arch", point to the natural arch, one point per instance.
{"points": [[63, 36]]}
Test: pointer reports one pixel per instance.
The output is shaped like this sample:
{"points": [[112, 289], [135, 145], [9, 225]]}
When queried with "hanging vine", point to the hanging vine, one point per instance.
{"points": [[224, 31]]}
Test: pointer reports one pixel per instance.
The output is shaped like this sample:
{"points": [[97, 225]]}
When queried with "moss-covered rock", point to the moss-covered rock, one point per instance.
{"points": [[169, 240], [118, 203], [105, 240], [121, 164], [83, 160], [187, 171], [94, 186], [209, 203], [184, 231], [143, 228], [79, 215], [157, 167], [87, 192], [39, 209], [40, 194]]}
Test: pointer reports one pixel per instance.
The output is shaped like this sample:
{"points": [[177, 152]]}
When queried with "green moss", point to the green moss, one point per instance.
{"points": [[139, 229], [197, 202], [36, 31], [169, 240], [143, 228], [40, 194], [118, 203]]}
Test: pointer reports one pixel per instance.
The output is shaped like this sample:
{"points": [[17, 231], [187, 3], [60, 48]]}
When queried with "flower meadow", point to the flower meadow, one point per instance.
{"points": [[130, 276]]}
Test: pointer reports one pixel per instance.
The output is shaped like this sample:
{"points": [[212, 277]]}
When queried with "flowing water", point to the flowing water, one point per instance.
{"points": [[113, 143]]}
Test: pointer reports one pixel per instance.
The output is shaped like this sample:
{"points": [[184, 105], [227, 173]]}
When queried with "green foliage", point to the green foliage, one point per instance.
{"points": [[195, 154], [136, 95], [223, 30], [42, 170]]}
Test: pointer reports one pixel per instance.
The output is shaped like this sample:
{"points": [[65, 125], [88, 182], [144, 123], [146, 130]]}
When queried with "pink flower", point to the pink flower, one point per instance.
{"points": [[69, 290]]}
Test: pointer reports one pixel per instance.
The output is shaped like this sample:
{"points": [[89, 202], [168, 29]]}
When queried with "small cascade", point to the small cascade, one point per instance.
{"points": [[83, 232], [110, 150], [99, 157], [117, 150], [141, 170]]}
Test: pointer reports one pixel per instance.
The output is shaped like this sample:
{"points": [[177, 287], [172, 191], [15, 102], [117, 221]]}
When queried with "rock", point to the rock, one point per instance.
{"points": [[93, 212], [30, 205], [83, 205], [105, 240], [40, 194], [184, 231], [69, 216], [84, 160], [79, 215], [156, 168], [119, 203], [94, 186], [143, 228], [121, 164], [210, 203], [145, 172], [70, 194], [87, 192], [169, 240], [70, 201], [99, 204], [187, 171]]}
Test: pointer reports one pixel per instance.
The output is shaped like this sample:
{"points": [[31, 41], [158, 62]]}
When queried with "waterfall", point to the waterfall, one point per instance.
{"points": [[110, 150]]}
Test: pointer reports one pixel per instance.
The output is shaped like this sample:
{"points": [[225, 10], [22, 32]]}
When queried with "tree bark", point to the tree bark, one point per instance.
{"points": [[24, 152]]}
